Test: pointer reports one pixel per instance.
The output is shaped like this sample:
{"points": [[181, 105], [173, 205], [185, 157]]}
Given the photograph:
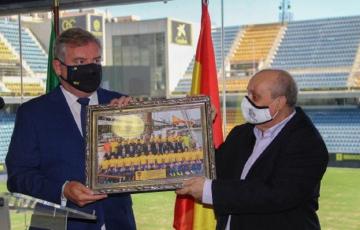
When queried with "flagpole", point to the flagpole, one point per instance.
{"points": [[21, 59], [56, 17], [223, 67]]}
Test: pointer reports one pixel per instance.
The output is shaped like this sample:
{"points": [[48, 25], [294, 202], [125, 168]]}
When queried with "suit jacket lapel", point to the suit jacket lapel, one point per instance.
{"points": [[101, 96], [63, 113], [278, 139], [245, 154]]}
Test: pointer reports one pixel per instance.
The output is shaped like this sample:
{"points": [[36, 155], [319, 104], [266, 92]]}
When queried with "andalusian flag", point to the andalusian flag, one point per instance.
{"points": [[52, 81], [190, 215]]}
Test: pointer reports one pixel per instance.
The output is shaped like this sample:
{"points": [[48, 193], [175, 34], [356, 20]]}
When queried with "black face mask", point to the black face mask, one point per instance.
{"points": [[86, 78]]}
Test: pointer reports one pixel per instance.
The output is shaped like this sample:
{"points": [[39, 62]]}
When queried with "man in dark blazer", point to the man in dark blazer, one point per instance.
{"points": [[269, 169], [46, 157]]}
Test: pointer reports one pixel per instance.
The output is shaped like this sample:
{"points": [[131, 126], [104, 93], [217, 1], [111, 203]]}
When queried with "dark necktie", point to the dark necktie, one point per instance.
{"points": [[83, 101]]}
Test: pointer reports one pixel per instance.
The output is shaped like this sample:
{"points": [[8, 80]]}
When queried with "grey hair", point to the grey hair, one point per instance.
{"points": [[72, 36]]}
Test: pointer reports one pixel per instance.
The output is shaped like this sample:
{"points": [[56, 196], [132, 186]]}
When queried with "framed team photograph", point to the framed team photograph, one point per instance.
{"points": [[151, 145]]}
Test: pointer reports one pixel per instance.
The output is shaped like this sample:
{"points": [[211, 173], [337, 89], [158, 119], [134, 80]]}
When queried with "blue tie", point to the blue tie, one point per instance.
{"points": [[83, 101]]}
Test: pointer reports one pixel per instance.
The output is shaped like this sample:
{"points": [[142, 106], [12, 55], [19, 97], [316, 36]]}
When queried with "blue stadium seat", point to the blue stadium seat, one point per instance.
{"points": [[322, 81], [183, 86], [319, 43], [340, 128], [230, 34], [32, 53], [7, 121]]}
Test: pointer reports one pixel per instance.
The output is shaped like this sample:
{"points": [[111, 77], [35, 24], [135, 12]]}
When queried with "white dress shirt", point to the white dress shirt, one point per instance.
{"points": [[75, 107], [263, 140]]}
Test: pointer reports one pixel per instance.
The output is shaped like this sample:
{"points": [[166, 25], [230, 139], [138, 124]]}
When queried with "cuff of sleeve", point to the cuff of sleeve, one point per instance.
{"points": [[207, 193], [63, 198]]}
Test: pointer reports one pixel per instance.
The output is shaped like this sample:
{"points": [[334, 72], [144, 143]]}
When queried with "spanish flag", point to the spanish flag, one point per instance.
{"points": [[190, 215]]}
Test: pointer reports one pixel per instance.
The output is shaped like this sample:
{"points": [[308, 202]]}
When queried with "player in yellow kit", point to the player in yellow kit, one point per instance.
{"points": [[143, 162], [151, 161]]}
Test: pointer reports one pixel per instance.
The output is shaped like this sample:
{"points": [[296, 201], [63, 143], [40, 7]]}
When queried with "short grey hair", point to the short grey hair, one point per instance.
{"points": [[72, 36]]}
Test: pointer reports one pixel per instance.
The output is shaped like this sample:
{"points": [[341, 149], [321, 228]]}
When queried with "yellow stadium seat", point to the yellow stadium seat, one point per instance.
{"points": [[235, 84], [29, 89], [5, 53], [256, 43]]}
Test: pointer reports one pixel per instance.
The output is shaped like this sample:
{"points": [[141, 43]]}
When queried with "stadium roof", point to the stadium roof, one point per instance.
{"points": [[8, 7]]}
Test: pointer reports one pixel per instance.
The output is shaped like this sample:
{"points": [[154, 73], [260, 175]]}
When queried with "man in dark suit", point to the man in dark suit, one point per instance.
{"points": [[46, 157], [269, 169]]}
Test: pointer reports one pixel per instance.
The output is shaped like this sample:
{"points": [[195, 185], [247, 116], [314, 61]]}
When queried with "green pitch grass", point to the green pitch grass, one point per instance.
{"points": [[339, 204], [340, 199]]}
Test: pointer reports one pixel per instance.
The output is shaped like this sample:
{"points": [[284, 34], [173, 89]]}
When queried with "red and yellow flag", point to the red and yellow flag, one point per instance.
{"points": [[190, 215]]}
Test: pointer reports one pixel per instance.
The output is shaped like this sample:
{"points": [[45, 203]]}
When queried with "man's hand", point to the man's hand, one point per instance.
{"points": [[193, 187], [121, 101], [79, 194]]}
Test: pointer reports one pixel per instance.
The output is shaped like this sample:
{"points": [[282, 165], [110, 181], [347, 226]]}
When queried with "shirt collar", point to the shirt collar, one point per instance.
{"points": [[274, 130], [71, 98]]}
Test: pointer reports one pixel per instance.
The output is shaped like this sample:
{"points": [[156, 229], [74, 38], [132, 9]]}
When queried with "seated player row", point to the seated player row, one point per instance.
{"points": [[173, 169], [124, 148], [150, 159]]}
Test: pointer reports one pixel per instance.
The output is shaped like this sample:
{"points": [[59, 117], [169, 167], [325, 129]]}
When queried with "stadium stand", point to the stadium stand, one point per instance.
{"points": [[339, 127], [34, 56], [320, 53], [6, 128], [234, 117], [230, 35], [30, 89], [31, 86], [9, 64], [34, 61], [5, 53], [183, 86], [255, 43], [234, 84], [322, 81], [242, 46], [319, 43]]}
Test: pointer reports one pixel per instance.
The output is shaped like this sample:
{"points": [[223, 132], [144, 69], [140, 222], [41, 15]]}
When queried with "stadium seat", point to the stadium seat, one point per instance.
{"points": [[340, 128]]}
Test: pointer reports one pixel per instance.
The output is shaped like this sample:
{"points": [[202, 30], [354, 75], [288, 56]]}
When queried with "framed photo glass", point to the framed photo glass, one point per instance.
{"points": [[149, 146]]}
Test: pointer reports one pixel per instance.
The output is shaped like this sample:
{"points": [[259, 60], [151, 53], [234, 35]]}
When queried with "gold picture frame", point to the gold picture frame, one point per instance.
{"points": [[150, 145]]}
